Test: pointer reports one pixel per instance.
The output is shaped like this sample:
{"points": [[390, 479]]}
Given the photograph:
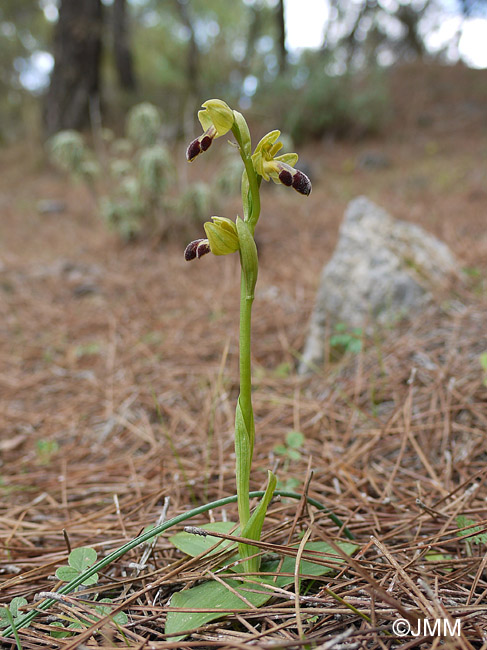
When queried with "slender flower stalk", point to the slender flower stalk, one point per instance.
{"points": [[225, 236]]}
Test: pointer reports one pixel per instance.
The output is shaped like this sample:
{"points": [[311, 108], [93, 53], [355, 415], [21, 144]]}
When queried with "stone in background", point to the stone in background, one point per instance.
{"points": [[382, 270]]}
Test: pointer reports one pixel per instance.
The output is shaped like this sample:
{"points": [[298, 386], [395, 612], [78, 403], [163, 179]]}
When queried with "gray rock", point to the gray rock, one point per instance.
{"points": [[373, 160], [382, 270], [51, 206]]}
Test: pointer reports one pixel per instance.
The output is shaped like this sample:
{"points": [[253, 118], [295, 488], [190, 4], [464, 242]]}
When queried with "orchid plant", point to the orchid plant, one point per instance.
{"points": [[197, 605], [223, 237]]}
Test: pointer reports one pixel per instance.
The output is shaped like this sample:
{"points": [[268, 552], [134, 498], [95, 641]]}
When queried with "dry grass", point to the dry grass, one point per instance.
{"points": [[118, 377]]}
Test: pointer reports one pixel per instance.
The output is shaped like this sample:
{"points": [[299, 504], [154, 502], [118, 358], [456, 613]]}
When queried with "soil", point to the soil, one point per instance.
{"points": [[119, 376]]}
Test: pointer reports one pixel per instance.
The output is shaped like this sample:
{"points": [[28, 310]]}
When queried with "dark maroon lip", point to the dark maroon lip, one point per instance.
{"points": [[193, 150]]}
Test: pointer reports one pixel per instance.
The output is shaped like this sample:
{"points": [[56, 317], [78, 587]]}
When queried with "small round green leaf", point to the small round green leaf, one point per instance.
{"points": [[66, 573], [15, 604], [81, 558], [294, 439], [293, 454]]}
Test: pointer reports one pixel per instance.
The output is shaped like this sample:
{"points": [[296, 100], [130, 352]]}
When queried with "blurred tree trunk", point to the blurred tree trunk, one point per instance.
{"points": [[75, 81], [350, 40], [281, 39], [121, 46], [188, 99], [192, 56], [410, 19], [253, 34]]}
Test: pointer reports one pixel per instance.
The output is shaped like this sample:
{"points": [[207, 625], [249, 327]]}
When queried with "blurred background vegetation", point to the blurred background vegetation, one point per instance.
{"points": [[75, 64]]}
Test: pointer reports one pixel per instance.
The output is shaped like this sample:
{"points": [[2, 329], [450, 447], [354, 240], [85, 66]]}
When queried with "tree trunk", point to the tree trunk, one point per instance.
{"points": [[121, 46], [75, 81], [281, 40], [188, 99]]}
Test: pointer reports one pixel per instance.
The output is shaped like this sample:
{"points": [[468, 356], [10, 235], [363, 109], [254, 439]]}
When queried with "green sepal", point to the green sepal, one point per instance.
{"points": [[222, 235], [218, 114], [248, 256]]}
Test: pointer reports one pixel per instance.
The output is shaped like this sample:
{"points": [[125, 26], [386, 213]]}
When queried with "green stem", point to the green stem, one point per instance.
{"points": [[244, 421], [244, 432], [244, 361], [13, 625], [254, 181]]}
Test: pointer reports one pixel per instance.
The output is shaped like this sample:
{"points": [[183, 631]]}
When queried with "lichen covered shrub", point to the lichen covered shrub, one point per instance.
{"points": [[133, 179]]}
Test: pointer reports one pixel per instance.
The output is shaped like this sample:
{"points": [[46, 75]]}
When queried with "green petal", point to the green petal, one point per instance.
{"points": [[267, 141], [275, 148], [288, 158], [258, 163]]}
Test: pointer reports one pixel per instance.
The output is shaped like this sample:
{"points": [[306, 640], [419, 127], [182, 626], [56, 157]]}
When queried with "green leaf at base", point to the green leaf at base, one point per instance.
{"points": [[253, 528], [214, 595], [308, 567], [211, 595], [195, 544]]}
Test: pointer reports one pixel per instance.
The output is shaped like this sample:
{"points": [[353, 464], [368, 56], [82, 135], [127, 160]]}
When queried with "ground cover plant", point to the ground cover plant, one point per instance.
{"points": [[118, 403]]}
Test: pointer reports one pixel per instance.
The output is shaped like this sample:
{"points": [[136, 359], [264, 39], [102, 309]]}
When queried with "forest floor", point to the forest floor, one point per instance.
{"points": [[118, 381]]}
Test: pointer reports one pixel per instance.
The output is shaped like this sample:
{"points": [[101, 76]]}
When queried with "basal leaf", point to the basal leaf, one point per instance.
{"points": [[211, 595], [307, 567], [195, 544]]}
